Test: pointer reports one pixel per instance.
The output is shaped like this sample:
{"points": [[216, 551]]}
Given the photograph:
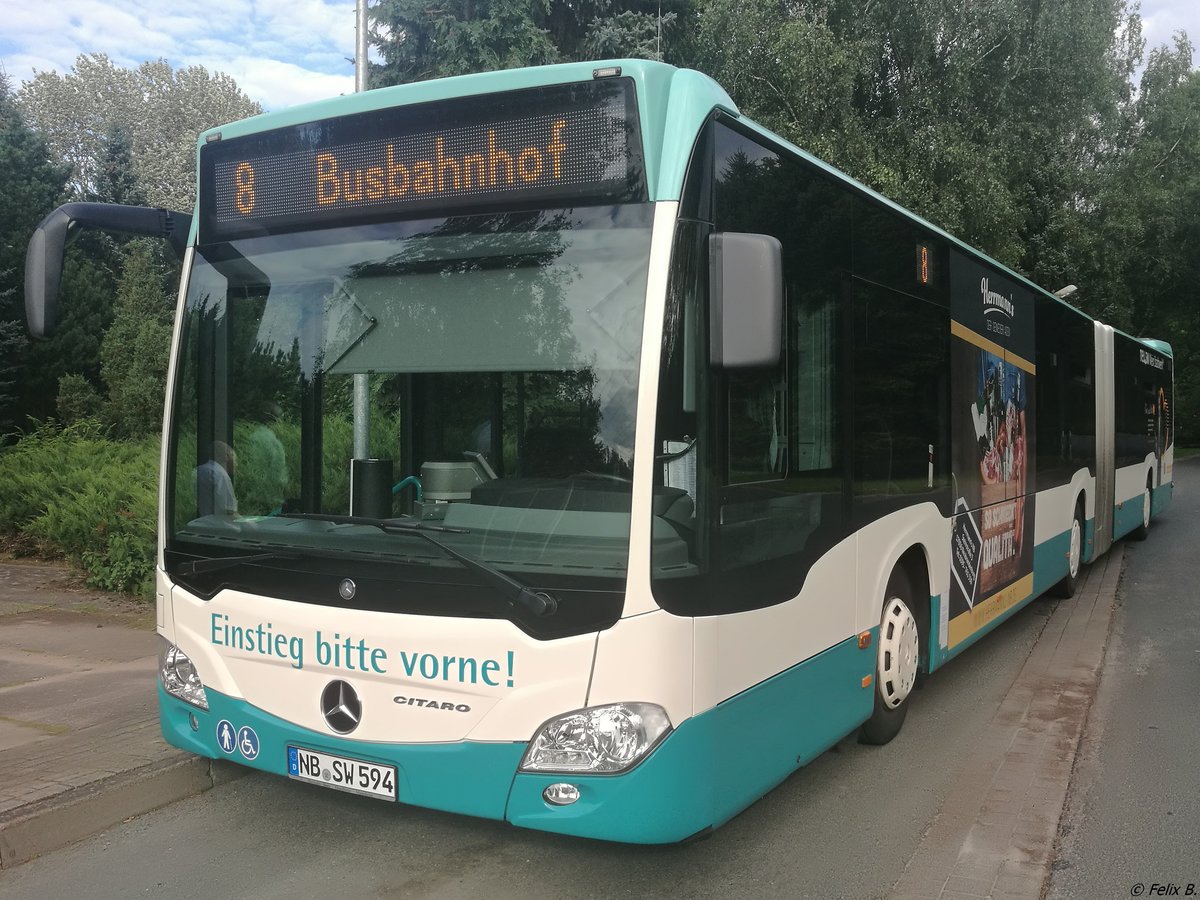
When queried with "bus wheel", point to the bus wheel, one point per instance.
{"points": [[897, 662], [1142, 531], [1066, 587]]}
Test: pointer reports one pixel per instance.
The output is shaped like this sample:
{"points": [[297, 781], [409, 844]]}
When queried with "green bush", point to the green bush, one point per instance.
{"points": [[77, 491], [78, 400]]}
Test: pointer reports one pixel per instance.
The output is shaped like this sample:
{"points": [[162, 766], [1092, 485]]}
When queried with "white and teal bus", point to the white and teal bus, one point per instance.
{"points": [[559, 446]]}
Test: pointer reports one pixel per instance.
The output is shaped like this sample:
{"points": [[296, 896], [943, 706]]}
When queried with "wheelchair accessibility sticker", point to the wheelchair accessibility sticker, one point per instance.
{"points": [[247, 742]]}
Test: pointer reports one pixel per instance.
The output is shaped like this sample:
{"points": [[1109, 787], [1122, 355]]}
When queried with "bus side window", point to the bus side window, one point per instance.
{"points": [[901, 355], [781, 491]]}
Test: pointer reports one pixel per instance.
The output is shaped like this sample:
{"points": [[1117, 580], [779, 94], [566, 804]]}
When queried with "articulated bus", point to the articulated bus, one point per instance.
{"points": [[559, 446]]}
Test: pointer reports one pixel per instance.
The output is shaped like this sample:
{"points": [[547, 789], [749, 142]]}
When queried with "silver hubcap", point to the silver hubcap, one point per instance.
{"points": [[899, 648], [1076, 547], [1146, 509]]}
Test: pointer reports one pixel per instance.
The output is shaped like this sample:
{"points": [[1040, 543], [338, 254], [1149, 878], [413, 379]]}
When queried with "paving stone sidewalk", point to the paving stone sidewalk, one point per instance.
{"points": [[80, 746], [994, 836]]}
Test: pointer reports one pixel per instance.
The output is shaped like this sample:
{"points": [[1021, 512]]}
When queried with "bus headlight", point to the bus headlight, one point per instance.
{"points": [[600, 740], [178, 675]]}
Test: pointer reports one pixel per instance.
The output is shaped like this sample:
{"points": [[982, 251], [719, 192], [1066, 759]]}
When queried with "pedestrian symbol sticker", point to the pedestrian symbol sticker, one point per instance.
{"points": [[225, 735], [247, 742]]}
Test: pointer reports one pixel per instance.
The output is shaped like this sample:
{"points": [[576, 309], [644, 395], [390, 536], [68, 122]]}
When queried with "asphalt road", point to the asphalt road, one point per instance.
{"points": [[1132, 819], [845, 826]]}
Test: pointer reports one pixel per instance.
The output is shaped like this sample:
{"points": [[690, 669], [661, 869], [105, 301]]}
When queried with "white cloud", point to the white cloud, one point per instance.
{"points": [[1161, 19], [286, 84], [281, 52]]}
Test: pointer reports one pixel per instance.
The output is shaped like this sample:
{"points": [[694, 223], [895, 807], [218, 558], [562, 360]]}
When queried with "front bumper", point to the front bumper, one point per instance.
{"points": [[711, 767]]}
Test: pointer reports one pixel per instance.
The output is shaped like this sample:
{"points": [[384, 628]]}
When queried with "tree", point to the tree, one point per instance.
{"points": [[454, 37], [12, 348], [30, 186], [979, 116], [161, 111], [128, 136], [420, 40], [116, 176], [85, 301], [78, 400], [64, 376], [135, 348], [1148, 224]]}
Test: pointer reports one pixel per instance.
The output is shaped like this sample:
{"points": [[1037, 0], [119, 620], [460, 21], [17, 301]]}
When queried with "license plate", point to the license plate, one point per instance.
{"points": [[353, 775]]}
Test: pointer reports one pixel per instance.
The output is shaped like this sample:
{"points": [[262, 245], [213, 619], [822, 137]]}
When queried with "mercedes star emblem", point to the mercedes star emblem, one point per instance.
{"points": [[341, 707], [346, 589]]}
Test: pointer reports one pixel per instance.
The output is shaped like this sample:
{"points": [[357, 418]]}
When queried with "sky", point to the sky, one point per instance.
{"points": [[1162, 18], [281, 52]]}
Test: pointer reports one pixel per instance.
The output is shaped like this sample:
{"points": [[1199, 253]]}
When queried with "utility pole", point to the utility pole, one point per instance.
{"points": [[362, 383]]}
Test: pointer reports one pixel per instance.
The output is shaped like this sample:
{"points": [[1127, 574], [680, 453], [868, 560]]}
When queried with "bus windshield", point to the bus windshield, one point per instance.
{"points": [[500, 355]]}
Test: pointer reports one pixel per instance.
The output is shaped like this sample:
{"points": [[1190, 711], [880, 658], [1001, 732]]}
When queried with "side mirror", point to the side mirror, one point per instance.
{"points": [[745, 300], [44, 257]]}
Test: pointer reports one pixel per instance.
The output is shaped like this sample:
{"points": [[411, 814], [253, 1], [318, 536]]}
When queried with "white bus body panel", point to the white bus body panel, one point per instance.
{"points": [[738, 650], [425, 658], [647, 657], [842, 596], [884, 541], [641, 520], [1055, 507], [1131, 480]]}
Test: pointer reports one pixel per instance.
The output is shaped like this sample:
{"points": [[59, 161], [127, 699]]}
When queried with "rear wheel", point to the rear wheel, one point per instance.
{"points": [[897, 662], [1142, 531], [1066, 587]]}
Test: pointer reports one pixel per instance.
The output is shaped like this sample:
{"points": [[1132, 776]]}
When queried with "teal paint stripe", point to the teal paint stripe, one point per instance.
{"points": [[935, 631], [715, 764], [1161, 346], [1051, 562], [469, 777], [1127, 516], [1160, 497], [1050, 566], [692, 100]]}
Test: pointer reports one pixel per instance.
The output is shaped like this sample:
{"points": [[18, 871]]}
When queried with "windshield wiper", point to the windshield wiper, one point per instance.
{"points": [[217, 563], [537, 602]]}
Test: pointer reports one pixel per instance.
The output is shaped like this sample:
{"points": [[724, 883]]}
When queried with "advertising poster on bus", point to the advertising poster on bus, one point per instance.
{"points": [[992, 401]]}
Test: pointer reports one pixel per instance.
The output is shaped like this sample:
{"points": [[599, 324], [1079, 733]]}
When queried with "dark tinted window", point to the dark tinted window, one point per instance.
{"points": [[1066, 394], [1135, 391], [766, 454], [770, 485], [781, 491], [901, 408]]}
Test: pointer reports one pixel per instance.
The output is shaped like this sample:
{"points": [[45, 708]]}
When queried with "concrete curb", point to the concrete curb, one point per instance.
{"points": [[75, 814], [995, 834]]}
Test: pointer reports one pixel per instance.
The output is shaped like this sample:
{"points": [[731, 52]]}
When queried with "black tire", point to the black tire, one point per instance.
{"points": [[1066, 587], [1143, 531], [894, 676]]}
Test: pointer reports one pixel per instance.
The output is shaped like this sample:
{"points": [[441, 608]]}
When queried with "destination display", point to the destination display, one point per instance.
{"points": [[559, 145]]}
